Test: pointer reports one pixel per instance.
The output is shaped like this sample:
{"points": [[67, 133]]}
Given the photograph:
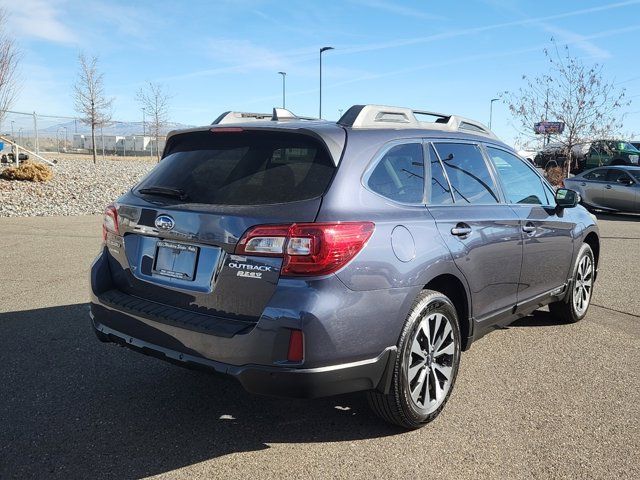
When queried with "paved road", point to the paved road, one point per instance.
{"points": [[537, 400]]}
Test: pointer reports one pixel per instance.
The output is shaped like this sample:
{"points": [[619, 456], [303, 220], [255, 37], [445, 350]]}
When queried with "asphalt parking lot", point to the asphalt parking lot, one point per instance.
{"points": [[536, 400]]}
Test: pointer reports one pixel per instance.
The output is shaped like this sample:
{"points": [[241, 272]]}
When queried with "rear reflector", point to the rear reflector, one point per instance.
{"points": [[308, 249], [296, 346], [110, 221]]}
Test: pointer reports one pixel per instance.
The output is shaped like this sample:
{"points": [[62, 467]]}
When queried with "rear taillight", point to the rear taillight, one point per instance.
{"points": [[307, 248], [110, 221]]}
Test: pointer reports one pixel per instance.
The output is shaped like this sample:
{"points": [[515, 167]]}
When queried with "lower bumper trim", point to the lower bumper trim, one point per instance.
{"points": [[362, 375]]}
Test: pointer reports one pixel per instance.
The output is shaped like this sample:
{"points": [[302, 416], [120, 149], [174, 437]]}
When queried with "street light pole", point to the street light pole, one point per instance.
{"points": [[144, 133], [12, 122], [284, 75], [323, 49], [491, 110]]}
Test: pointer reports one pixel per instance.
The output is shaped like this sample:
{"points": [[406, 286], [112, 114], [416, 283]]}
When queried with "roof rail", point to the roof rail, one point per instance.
{"points": [[382, 116], [278, 115]]}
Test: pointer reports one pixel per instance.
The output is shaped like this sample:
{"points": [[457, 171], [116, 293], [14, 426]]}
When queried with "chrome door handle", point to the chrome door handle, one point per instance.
{"points": [[529, 228], [461, 230], [608, 187]]}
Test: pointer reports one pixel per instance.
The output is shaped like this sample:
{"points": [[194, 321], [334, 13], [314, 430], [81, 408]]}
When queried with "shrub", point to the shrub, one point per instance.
{"points": [[555, 175], [28, 171]]}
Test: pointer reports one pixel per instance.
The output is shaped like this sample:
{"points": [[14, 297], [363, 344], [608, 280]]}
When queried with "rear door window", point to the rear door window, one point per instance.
{"points": [[243, 168], [468, 173], [597, 175], [399, 174]]}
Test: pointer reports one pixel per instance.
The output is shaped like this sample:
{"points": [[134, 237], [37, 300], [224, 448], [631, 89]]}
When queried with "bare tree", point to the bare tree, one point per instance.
{"points": [[89, 98], [155, 102], [9, 59], [570, 92]]}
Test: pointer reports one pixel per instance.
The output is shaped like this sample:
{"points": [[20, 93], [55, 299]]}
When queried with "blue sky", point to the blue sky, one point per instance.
{"points": [[224, 55]]}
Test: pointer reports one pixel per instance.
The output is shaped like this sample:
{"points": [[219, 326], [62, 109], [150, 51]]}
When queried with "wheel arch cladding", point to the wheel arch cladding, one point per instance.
{"points": [[594, 242], [454, 289]]}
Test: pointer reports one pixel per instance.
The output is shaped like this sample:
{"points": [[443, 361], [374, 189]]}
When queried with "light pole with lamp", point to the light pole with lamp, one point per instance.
{"points": [[284, 75], [491, 110], [12, 122], [323, 49]]}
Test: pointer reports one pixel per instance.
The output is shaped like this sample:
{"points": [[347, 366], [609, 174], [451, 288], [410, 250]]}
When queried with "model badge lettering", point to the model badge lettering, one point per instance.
{"points": [[247, 266], [242, 273]]}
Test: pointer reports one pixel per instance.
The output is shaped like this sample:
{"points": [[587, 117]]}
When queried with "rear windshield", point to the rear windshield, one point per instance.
{"points": [[242, 168]]}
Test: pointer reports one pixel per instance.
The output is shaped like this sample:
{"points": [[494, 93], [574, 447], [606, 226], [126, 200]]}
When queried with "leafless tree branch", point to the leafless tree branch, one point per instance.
{"points": [[89, 97], [155, 102], [9, 61]]}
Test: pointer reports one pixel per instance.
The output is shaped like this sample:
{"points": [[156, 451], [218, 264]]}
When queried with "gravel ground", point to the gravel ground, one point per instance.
{"points": [[78, 187]]}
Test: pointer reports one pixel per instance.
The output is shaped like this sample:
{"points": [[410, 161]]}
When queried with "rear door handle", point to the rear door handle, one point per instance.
{"points": [[461, 230], [528, 227], [583, 184], [608, 187]]}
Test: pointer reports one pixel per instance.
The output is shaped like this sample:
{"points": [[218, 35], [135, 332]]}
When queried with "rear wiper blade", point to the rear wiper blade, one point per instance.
{"points": [[165, 192]]}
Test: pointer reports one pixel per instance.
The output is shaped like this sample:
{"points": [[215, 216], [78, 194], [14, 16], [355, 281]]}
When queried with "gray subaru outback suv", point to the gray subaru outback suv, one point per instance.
{"points": [[309, 258]]}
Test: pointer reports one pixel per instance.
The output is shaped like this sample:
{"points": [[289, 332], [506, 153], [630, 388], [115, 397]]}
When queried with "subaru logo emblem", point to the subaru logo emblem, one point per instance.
{"points": [[164, 222]]}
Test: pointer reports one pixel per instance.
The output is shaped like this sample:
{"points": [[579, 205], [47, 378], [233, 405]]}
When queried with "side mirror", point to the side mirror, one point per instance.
{"points": [[566, 198]]}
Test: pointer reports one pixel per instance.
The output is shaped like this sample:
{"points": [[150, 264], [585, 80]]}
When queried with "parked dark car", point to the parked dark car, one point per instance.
{"points": [[311, 258], [609, 188]]}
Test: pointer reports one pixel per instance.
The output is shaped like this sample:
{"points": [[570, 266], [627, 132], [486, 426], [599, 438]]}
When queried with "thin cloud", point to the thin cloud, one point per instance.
{"points": [[397, 9], [471, 31], [38, 19]]}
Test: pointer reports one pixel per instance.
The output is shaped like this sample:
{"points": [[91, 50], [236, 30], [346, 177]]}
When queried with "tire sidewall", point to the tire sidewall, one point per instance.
{"points": [[427, 303]]}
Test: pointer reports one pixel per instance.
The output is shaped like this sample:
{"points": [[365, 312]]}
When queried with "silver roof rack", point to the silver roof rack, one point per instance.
{"points": [[278, 115], [382, 116]]}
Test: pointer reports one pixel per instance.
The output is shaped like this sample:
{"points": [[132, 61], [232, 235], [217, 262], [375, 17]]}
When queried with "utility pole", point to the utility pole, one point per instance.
{"points": [[323, 49]]}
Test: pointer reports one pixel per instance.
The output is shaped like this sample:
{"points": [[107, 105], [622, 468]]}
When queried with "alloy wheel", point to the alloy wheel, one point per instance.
{"points": [[583, 285], [429, 362]]}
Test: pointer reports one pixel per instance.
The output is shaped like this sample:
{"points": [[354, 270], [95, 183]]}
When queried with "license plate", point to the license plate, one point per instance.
{"points": [[176, 260]]}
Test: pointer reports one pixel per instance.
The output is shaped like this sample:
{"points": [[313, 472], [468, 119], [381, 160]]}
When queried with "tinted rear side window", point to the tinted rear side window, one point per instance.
{"points": [[243, 168], [399, 175], [468, 173]]}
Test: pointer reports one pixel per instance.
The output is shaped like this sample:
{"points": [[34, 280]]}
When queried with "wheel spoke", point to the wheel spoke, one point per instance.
{"points": [[449, 349], [426, 331], [416, 349], [436, 383], [445, 335], [417, 388], [444, 370], [413, 370], [437, 321]]}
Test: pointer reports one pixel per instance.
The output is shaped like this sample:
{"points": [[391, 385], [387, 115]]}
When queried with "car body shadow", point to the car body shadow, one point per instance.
{"points": [[72, 407], [539, 318], [621, 217]]}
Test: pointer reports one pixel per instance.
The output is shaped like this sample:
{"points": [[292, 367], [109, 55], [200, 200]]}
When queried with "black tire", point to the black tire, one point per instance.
{"points": [[566, 310], [618, 161], [397, 407]]}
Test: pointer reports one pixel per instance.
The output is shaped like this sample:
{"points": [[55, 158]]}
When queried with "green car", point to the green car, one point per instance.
{"points": [[610, 152]]}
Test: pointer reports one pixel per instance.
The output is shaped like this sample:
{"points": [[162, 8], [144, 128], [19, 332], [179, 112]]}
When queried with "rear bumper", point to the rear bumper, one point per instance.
{"points": [[367, 374]]}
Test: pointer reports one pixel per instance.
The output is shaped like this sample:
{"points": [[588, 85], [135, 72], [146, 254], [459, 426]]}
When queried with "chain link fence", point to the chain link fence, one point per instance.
{"points": [[42, 133]]}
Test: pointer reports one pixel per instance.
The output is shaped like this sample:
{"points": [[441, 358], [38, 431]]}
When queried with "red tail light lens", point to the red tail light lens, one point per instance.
{"points": [[296, 346], [308, 249], [110, 221]]}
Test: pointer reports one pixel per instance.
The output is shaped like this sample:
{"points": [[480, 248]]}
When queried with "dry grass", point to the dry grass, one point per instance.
{"points": [[555, 175], [28, 171]]}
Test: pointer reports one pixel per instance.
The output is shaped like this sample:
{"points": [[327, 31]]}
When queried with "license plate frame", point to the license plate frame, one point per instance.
{"points": [[176, 260]]}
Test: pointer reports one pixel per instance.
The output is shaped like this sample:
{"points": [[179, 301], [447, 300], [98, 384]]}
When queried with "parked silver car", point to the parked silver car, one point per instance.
{"points": [[609, 188]]}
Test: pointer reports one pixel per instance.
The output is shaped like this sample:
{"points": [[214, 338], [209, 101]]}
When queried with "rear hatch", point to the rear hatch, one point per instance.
{"points": [[177, 230]]}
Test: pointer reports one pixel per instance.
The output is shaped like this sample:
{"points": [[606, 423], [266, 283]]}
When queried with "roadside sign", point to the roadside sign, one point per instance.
{"points": [[547, 128]]}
